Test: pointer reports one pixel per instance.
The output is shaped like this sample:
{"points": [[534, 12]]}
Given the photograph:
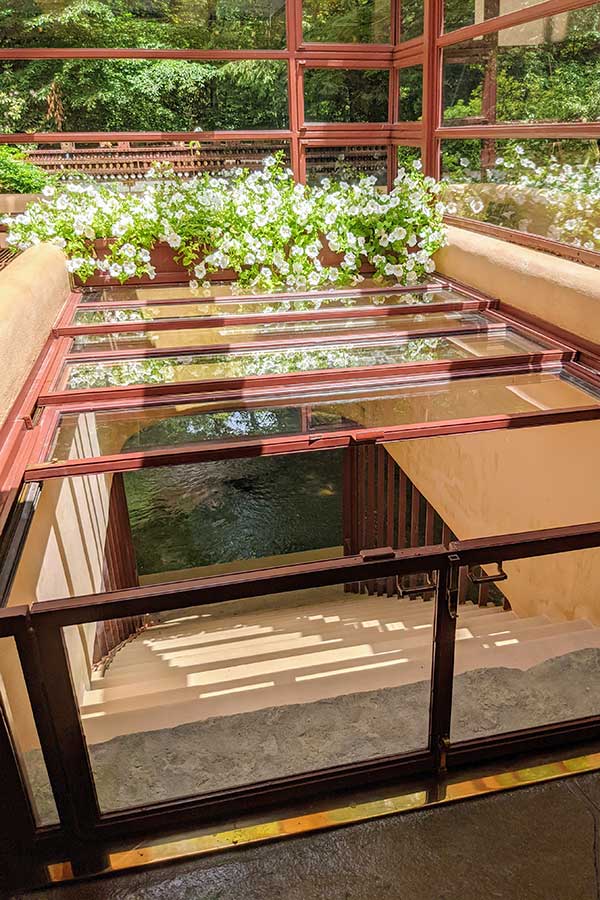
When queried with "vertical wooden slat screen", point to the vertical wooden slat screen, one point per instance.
{"points": [[119, 571]]}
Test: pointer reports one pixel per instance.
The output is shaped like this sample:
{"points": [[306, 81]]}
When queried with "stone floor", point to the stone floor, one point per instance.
{"points": [[537, 843], [135, 769]]}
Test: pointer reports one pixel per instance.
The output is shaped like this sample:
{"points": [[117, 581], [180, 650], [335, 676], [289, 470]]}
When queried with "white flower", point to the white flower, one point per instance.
{"points": [[144, 256], [476, 206], [115, 270], [465, 163], [174, 240], [194, 285], [48, 190], [128, 250]]}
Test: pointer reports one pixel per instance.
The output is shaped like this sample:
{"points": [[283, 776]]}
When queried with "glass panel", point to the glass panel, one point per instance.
{"points": [[231, 24], [238, 334], [248, 307], [458, 13], [95, 533], [219, 290], [545, 187], [346, 163], [411, 94], [528, 655], [346, 95], [109, 432], [244, 364], [411, 19], [346, 22], [300, 681], [540, 71], [408, 156], [17, 708], [142, 95]]}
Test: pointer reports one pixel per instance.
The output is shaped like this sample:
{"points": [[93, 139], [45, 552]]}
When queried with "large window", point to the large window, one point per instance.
{"points": [[497, 97]]}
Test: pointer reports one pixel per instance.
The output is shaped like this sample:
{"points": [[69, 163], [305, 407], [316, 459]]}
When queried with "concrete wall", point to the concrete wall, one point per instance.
{"points": [[514, 481], [33, 289], [564, 293]]}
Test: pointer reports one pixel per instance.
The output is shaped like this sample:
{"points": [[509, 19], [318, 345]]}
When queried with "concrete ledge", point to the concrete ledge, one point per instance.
{"points": [[563, 293], [33, 289]]}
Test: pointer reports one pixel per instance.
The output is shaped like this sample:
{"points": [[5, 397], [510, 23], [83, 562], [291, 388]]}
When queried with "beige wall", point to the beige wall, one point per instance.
{"points": [[33, 289], [510, 481], [564, 293]]}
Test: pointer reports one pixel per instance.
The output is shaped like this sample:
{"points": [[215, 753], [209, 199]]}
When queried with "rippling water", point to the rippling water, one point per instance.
{"points": [[222, 511]]}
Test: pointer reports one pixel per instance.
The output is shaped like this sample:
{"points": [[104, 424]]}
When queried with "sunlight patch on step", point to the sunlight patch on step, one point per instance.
{"points": [[352, 670], [233, 673], [236, 690]]}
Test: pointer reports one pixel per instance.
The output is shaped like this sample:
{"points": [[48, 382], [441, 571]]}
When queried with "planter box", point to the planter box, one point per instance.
{"points": [[168, 271], [11, 204]]}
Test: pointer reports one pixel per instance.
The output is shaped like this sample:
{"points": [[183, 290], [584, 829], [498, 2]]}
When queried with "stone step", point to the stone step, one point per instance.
{"points": [[133, 668], [198, 702], [187, 673]]}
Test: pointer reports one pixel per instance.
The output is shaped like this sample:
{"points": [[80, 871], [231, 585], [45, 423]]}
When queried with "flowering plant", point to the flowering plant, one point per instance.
{"points": [[558, 200], [270, 230]]}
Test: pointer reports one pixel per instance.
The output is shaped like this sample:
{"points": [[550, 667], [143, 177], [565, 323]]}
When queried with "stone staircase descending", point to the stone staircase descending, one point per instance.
{"points": [[322, 643]]}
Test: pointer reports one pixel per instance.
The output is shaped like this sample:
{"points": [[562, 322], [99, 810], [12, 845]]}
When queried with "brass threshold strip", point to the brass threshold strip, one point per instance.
{"points": [[278, 829]]}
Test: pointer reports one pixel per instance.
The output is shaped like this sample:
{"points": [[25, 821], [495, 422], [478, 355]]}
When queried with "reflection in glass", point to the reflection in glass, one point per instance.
{"points": [[107, 432], [244, 364], [545, 187], [143, 95], [240, 334], [459, 13], [346, 163], [249, 307], [346, 22], [538, 71], [346, 95]]}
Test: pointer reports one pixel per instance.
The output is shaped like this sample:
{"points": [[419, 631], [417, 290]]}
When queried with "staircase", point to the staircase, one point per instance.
{"points": [[322, 643]]}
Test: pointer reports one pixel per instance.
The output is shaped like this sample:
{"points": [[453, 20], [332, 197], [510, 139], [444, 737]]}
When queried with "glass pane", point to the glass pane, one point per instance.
{"points": [[244, 364], [346, 95], [411, 94], [346, 22], [458, 13], [540, 71], [239, 334], [220, 290], [346, 407], [301, 681], [231, 24], [408, 156], [17, 708], [346, 163], [545, 187], [142, 95], [411, 19], [188, 310], [528, 655]]}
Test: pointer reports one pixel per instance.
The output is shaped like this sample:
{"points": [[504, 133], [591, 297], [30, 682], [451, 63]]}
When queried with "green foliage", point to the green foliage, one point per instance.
{"points": [[17, 175]]}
